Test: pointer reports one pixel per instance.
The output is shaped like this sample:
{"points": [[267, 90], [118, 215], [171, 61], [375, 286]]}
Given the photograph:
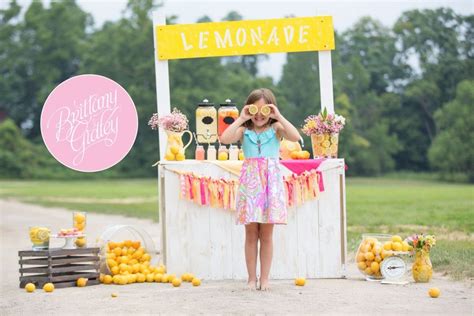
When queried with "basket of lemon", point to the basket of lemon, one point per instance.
{"points": [[374, 249]]}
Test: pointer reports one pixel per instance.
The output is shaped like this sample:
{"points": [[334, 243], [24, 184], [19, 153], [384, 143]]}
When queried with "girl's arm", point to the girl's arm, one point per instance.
{"points": [[283, 127], [234, 132]]}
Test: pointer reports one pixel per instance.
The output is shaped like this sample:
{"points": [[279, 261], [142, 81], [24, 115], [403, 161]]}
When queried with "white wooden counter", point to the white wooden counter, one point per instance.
{"points": [[207, 242]]}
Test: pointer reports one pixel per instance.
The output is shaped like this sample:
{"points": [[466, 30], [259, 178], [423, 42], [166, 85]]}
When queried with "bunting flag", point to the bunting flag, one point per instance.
{"points": [[222, 193]]}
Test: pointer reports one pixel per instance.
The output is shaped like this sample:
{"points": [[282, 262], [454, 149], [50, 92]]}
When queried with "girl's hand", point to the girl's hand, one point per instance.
{"points": [[275, 113], [245, 114]]}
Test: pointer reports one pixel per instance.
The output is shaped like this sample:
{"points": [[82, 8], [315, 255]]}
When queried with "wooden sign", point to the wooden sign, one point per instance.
{"points": [[244, 37]]}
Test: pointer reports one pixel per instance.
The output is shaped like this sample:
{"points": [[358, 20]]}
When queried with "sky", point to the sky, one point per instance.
{"points": [[345, 13]]}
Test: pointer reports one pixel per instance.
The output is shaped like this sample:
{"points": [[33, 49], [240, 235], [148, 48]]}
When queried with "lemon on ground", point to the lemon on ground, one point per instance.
{"points": [[157, 278], [434, 292], [176, 282], [48, 287], [150, 277], [165, 278], [107, 279], [185, 277], [81, 282], [114, 294], [196, 282], [30, 287], [123, 280], [141, 278], [300, 281]]}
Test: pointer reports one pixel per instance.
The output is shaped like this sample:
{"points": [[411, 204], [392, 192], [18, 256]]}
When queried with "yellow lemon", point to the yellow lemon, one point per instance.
{"points": [[265, 110], [117, 251], [387, 245], [115, 270], [174, 149], [368, 271], [222, 156], [360, 257], [180, 157], [396, 238], [146, 257], [112, 245], [253, 109], [79, 218], [80, 226], [116, 279], [48, 287], [300, 281], [136, 244], [150, 277], [171, 277], [123, 280], [132, 278], [184, 277], [241, 156], [81, 282], [378, 259], [369, 256], [141, 278], [405, 246], [164, 278], [169, 156], [30, 287], [374, 266], [114, 294], [176, 282], [196, 282], [361, 265], [397, 246], [124, 259], [158, 277], [160, 270], [107, 279], [434, 292]]}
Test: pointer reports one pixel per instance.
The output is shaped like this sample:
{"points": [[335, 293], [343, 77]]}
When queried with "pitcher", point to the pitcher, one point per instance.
{"points": [[175, 148]]}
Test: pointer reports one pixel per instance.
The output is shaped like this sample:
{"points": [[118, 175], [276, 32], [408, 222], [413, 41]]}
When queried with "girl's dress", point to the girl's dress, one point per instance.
{"points": [[261, 195]]}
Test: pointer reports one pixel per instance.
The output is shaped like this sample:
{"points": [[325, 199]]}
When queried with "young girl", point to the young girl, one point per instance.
{"points": [[261, 198]]}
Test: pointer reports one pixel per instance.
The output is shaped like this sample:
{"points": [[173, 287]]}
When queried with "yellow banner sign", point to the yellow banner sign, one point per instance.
{"points": [[244, 37]]}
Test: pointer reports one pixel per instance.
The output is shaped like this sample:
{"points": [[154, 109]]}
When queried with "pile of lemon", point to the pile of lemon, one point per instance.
{"points": [[372, 252], [128, 263]]}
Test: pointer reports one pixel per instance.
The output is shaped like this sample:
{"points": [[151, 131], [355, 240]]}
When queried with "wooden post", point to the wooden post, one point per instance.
{"points": [[162, 81], [325, 80]]}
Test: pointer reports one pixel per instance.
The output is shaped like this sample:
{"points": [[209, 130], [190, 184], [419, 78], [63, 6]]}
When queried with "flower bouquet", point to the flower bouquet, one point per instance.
{"points": [[175, 125], [324, 130], [422, 268]]}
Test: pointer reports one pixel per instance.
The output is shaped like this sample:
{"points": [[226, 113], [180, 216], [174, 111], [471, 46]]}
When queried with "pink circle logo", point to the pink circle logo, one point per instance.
{"points": [[89, 123]]}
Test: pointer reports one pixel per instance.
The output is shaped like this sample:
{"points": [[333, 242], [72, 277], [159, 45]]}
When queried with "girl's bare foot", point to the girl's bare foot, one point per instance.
{"points": [[251, 285], [264, 286]]}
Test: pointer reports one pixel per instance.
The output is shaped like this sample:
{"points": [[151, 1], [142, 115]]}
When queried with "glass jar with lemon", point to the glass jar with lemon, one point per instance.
{"points": [[79, 220], [39, 236]]}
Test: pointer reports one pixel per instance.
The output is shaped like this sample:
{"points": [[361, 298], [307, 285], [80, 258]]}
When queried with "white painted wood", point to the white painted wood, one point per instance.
{"points": [[163, 102], [325, 80], [206, 241]]}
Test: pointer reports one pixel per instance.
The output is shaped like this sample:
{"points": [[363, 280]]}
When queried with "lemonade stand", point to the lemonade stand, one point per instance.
{"points": [[201, 236]]}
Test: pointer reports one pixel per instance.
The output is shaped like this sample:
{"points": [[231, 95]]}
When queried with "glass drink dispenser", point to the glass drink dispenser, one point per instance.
{"points": [[227, 114], [206, 122]]}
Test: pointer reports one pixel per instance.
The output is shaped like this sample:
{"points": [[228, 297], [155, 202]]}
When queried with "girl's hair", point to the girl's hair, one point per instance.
{"points": [[257, 94]]}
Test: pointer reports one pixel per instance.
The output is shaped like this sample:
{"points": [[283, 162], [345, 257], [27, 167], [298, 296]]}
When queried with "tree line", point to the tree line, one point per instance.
{"points": [[407, 90]]}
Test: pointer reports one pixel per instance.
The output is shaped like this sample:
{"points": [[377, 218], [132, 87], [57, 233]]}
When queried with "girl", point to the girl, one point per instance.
{"points": [[261, 198]]}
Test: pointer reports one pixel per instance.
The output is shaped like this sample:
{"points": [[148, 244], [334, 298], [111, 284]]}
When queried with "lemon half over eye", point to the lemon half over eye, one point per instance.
{"points": [[253, 109], [265, 110]]}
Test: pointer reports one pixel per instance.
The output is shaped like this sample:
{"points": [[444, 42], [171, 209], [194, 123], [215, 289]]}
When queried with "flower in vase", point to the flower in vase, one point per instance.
{"points": [[175, 121], [323, 123]]}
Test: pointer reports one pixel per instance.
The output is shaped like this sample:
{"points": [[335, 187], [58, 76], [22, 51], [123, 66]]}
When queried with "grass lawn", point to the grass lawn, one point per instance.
{"points": [[383, 205]]}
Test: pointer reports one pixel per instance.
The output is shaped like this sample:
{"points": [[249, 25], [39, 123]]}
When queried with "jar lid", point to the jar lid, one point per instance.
{"points": [[206, 102], [228, 102]]}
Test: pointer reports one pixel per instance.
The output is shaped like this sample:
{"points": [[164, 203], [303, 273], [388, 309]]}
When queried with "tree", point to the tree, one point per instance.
{"points": [[452, 150]]}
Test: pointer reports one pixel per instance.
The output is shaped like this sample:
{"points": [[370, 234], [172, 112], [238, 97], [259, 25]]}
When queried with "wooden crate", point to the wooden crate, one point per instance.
{"points": [[62, 267]]}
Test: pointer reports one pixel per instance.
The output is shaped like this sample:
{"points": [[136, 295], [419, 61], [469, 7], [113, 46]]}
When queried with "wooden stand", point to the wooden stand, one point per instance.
{"points": [[62, 267]]}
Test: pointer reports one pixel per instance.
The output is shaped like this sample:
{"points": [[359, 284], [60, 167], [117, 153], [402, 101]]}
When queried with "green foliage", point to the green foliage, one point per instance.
{"points": [[388, 82], [453, 148]]}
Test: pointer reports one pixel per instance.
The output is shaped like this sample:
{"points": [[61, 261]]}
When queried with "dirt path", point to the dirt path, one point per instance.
{"points": [[353, 295]]}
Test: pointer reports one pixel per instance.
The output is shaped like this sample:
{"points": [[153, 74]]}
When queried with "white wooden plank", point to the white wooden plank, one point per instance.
{"points": [[162, 82], [325, 80]]}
